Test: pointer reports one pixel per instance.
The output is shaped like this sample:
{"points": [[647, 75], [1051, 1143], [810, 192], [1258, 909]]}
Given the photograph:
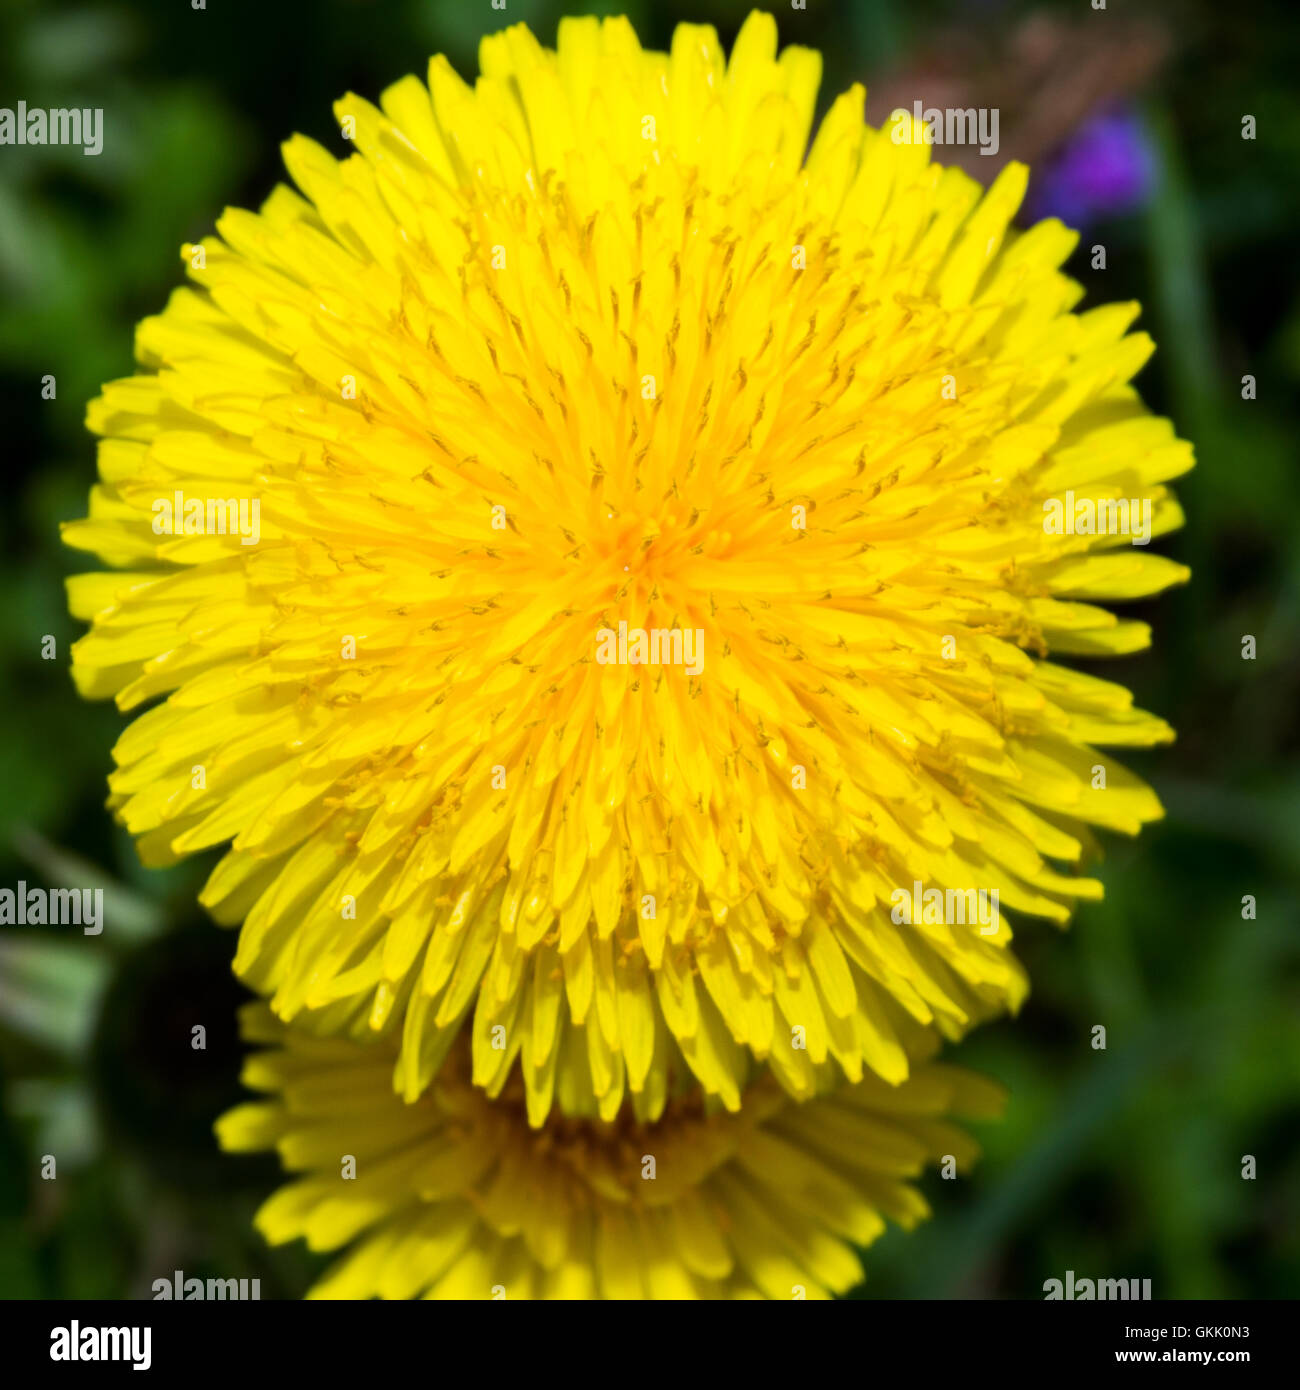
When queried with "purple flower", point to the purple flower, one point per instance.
{"points": [[1105, 168]]}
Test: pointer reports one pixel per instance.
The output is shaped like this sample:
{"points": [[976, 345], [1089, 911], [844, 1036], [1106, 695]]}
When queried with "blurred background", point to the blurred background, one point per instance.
{"points": [[1123, 1163]]}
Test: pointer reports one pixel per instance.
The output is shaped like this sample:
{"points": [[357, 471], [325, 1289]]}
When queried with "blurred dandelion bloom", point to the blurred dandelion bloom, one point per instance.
{"points": [[593, 346], [456, 1195]]}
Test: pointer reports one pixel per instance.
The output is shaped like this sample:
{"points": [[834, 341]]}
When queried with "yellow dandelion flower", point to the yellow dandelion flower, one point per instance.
{"points": [[457, 1196], [642, 577]]}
